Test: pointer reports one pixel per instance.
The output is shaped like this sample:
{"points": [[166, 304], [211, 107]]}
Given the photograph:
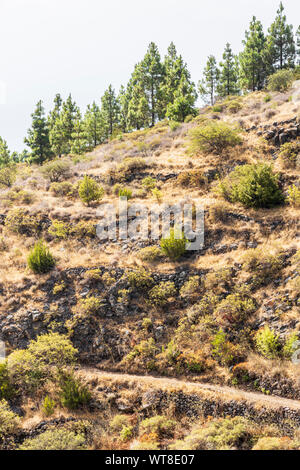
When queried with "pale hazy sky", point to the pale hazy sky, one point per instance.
{"points": [[80, 46]]}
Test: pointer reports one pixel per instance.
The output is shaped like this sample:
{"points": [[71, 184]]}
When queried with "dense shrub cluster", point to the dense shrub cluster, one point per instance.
{"points": [[253, 186], [213, 137]]}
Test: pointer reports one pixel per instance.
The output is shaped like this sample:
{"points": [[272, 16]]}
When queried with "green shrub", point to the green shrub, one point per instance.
{"points": [[65, 188], [150, 254], [40, 260], [267, 98], [90, 191], [83, 229], [221, 434], [118, 422], [234, 309], [262, 265], [226, 352], [73, 393], [30, 367], [290, 346], [290, 154], [157, 194], [7, 176], [59, 229], [6, 387], [234, 106], [191, 287], [140, 279], [57, 170], [9, 421], [160, 425], [174, 125], [149, 183], [217, 108], [55, 439], [253, 186], [293, 197], [281, 80], [276, 443], [267, 343], [161, 293], [48, 406], [125, 192], [17, 221], [90, 305], [213, 137], [175, 245]]}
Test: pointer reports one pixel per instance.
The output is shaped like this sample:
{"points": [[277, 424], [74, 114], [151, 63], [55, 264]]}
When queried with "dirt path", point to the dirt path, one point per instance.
{"points": [[226, 392]]}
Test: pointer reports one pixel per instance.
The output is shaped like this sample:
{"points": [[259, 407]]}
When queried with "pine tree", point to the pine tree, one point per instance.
{"points": [[139, 114], [67, 120], [110, 111], [177, 84], [56, 137], [79, 140], [123, 99], [59, 144], [280, 48], [152, 76], [94, 125], [208, 85], [229, 74], [55, 113], [5, 156], [38, 136], [252, 66], [183, 104], [298, 45]]}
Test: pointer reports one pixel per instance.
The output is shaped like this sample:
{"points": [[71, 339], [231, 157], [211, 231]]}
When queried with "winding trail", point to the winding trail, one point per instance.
{"points": [[226, 392]]}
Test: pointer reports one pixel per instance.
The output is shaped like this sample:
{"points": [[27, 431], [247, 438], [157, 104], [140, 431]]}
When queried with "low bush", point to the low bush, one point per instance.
{"points": [[18, 221], [59, 229], [160, 294], [40, 260], [28, 368], [73, 393], [267, 343], [162, 426], [221, 434], [149, 183], [281, 80], [175, 245], [289, 154], [55, 439], [125, 192], [6, 387], [65, 188], [90, 305], [7, 176], [263, 266], [90, 191], [150, 254], [57, 170], [140, 279], [224, 351], [48, 406], [9, 421], [253, 186], [293, 196], [276, 443], [192, 178], [234, 309], [213, 137]]}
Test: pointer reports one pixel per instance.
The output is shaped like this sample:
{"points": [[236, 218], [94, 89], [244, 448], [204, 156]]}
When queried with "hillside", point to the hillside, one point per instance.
{"points": [[226, 315]]}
